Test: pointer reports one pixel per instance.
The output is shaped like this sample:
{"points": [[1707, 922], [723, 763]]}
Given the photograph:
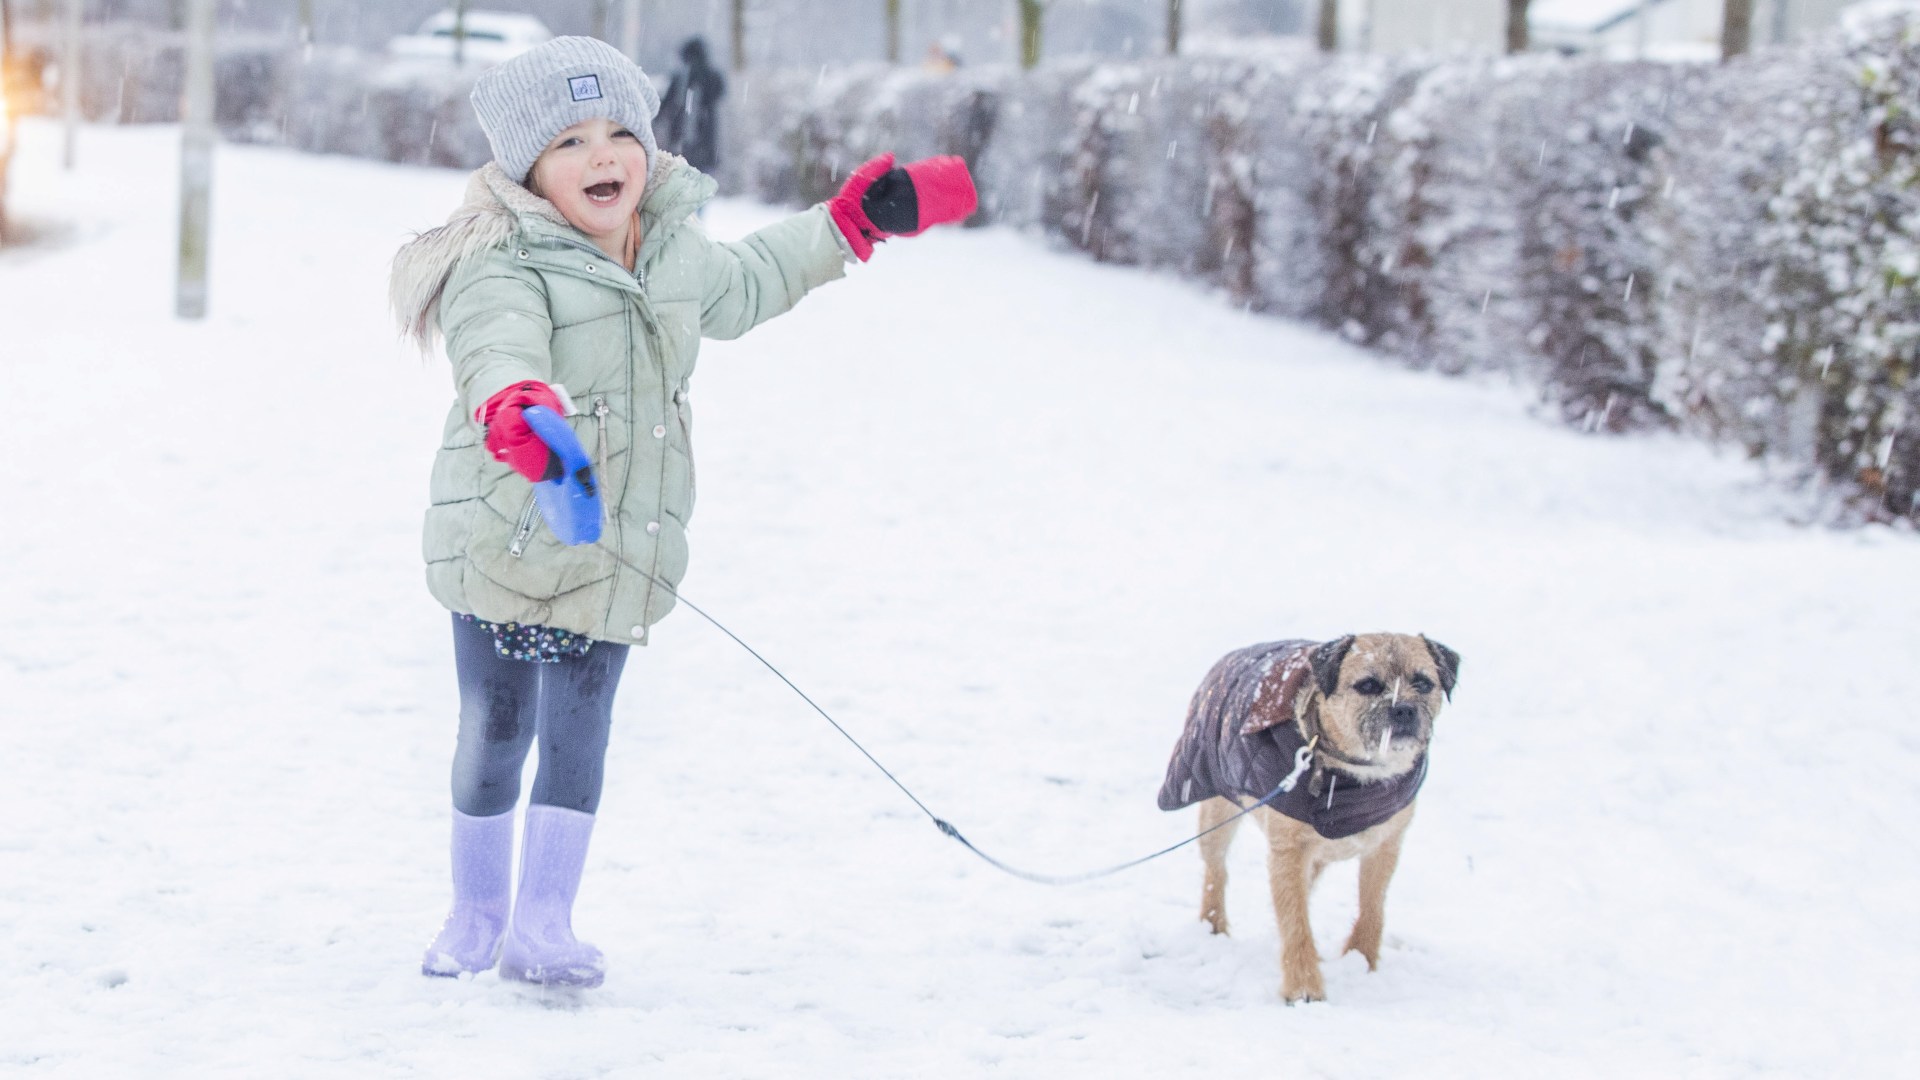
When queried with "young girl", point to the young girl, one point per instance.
{"points": [[575, 277]]}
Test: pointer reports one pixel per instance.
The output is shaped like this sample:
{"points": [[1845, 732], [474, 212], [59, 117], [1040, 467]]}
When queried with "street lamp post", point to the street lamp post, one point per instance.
{"points": [[196, 164], [630, 30]]}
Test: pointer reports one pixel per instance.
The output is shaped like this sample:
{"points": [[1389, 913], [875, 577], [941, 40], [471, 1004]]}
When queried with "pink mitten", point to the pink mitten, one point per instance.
{"points": [[510, 440]]}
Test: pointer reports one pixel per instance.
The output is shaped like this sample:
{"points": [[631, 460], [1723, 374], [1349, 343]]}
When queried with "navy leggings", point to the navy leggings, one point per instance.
{"points": [[505, 703]]}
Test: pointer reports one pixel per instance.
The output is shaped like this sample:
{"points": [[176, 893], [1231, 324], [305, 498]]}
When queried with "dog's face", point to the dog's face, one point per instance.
{"points": [[1378, 695]]}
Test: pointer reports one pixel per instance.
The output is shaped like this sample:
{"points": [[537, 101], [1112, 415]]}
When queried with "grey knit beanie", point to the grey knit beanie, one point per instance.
{"points": [[525, 102]]}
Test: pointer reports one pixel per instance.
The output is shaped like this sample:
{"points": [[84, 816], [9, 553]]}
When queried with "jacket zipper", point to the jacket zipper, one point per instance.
{"points": [[525, 530]]}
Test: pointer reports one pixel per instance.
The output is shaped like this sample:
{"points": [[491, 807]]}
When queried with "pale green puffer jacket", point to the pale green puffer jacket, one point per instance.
{"points": [[519, 294]]}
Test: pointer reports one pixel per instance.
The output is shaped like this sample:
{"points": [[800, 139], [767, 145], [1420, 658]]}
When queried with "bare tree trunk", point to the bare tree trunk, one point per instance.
{"points": [[893, 31], [1173, 27], [70, 61], [1032, 16], [1517, 36], [739, 35], [1329, 25], [1736, 28], [459, 32]]}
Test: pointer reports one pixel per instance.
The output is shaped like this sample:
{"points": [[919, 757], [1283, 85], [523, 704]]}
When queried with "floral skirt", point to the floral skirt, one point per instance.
{"points": [[537, 644]]}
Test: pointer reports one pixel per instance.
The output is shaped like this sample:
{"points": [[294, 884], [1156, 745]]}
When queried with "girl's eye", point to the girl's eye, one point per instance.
{"points": [[625, 132], [1422, 684], [1370, 686], [571, 140]]}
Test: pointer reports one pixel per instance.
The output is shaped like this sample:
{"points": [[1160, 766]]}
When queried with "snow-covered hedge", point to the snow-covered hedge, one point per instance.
{"points": [[1727, 249], [332, 100], [344, 102]]}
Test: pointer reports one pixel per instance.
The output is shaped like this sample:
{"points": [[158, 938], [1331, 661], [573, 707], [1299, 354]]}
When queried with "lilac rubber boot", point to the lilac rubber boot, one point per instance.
{"points": [[469, 941], [540, 946]]}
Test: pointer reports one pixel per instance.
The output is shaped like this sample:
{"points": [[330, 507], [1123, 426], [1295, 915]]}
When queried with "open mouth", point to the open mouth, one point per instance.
{"points": [[604, 193]]}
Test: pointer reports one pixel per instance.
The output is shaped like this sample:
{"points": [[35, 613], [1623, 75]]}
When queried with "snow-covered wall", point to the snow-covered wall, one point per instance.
{"points": [[1726, 249]]}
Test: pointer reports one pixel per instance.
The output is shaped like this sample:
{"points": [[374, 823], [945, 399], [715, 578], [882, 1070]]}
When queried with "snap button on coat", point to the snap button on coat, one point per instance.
{"points": [[653, 528], [659, 431]]}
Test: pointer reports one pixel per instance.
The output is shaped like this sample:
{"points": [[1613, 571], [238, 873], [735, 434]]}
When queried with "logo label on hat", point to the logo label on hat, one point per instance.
{"points": [[584, 87]]}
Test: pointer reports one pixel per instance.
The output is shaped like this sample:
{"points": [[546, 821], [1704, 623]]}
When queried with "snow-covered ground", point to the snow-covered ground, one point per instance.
{"points": [[998, 509]]}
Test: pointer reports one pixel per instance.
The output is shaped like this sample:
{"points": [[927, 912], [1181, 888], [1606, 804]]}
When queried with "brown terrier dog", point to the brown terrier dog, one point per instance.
{"points": [[1340, 729]]}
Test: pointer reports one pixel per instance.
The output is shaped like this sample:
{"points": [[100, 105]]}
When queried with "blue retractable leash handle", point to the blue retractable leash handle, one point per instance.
{"points": [[570, 502]]}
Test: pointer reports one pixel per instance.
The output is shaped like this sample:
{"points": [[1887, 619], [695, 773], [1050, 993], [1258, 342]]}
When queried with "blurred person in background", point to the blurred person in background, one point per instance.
{"points": [[943, 57], [690, 113]]}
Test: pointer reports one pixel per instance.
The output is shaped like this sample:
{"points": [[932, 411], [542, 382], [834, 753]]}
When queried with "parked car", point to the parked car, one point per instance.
{"points": [[491, 37]]}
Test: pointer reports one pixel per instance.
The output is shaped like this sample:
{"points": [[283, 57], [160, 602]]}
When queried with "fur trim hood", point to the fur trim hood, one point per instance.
{"points": [[487, 217], [493, 210]]}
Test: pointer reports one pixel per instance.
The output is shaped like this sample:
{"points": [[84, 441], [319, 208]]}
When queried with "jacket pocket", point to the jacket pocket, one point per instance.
{"points": [[676, 496], [529, 520], [683, 413], [601, 410]]}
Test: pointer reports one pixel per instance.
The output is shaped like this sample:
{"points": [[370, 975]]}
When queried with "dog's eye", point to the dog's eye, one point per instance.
{"points": [[1370, 686], [1422, 684]]}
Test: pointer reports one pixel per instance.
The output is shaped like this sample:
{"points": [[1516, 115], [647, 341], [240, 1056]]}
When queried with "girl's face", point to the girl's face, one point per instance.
{"points": [[594, 173]]}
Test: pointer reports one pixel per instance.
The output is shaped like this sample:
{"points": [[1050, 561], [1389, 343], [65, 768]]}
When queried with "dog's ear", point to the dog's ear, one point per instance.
{"points": [[1326, 660], [1447, 661]]}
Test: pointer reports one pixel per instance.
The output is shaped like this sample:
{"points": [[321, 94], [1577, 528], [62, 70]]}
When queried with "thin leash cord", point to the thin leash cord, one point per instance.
{"points": [[1301, 759]]}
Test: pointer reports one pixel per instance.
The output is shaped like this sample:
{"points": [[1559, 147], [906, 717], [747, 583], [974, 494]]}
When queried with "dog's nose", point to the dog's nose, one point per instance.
{"points": [[1404, 717]]}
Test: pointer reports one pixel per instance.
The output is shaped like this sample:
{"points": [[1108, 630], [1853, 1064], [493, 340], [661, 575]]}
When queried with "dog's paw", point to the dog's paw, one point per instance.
{"points": [[1300, 986], [1303, 996]]}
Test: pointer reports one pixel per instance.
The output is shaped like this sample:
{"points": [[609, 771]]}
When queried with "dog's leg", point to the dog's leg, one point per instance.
{"points": [[1376, 870], [1213, 852], [1290, 873]]}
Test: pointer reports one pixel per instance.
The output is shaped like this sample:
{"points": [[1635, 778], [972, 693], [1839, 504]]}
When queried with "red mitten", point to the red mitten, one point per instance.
{"points": [[510, 440], [849, 213], [880, 201], [943, 190]]}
